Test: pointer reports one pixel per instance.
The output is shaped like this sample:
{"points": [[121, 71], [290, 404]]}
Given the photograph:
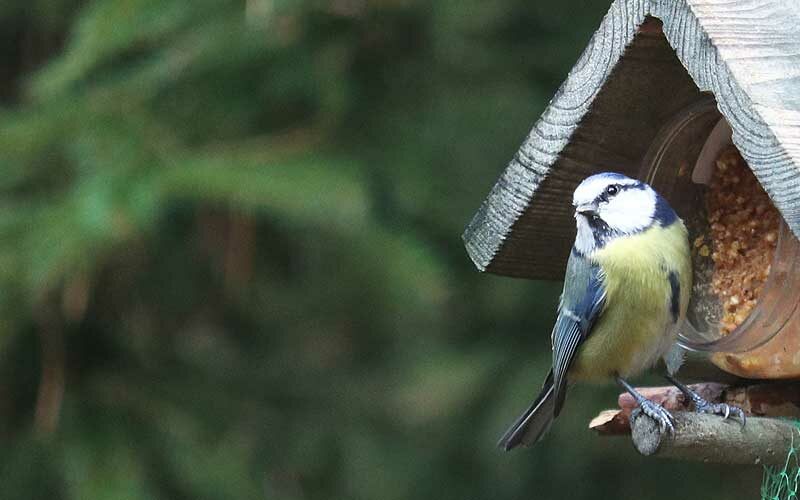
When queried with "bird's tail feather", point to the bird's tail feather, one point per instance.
{"points": [[534, 422]]}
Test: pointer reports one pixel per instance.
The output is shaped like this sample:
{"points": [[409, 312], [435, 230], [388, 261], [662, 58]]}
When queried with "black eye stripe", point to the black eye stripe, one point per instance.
{"points": [[605, 195]]}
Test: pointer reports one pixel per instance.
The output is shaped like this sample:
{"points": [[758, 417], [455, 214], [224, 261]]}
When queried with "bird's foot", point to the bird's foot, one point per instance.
{"points": [[663, 418], [723, 409], [701, 405]]}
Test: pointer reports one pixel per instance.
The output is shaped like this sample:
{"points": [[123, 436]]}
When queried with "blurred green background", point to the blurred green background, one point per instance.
{"points": [[231, 264]]}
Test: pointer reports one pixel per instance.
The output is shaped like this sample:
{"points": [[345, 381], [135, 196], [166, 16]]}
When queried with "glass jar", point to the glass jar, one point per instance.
{"points": [[766, 344]]}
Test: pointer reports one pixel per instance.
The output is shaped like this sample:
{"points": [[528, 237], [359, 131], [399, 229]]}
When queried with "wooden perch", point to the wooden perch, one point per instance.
{"points": [[770, 400], [710, 438]]}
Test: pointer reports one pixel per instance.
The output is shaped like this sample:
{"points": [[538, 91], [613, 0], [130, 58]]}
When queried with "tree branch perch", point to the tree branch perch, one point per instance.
{"points": [[774, 399], [710, 438]]}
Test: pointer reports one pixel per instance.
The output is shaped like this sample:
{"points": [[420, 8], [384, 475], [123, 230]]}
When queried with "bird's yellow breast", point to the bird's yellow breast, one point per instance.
{"points": [[636, 326]]}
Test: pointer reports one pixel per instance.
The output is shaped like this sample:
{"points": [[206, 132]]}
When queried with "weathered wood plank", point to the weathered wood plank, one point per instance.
{"points": [[627, 84], [747, 53]]}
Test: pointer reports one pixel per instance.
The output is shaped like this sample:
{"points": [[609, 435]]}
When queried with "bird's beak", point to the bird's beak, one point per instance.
{"points": [[587, 210]]}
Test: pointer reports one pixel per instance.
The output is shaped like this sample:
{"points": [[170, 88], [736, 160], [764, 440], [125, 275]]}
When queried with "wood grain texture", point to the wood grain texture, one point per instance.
{"points": [[628, 83], [516, 233], [747, 53]]}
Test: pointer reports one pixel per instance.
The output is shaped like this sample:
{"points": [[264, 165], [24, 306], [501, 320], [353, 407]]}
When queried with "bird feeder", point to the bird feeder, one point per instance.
{"points": [[702, 100]]}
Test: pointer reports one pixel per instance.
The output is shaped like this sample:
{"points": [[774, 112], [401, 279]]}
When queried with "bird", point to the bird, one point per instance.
{"points": [[626, 291]]}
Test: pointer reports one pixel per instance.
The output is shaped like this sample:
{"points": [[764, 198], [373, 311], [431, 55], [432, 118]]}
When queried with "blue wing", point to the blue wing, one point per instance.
{"points": [[581, 304]]}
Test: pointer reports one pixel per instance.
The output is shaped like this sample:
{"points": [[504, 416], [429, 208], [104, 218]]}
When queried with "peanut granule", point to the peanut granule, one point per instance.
{"points": [[742, 237]]}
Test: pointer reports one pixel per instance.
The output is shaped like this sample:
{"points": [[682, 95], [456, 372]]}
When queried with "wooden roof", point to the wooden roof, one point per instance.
{"points": [[634, 76]]}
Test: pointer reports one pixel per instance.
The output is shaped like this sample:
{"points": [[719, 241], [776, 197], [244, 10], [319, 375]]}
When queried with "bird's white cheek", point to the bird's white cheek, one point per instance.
{"points": [[584, 240], [630, 211]]}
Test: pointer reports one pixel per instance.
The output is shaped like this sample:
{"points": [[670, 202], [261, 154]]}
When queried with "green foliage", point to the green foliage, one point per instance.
{"points": [[230, 256]]}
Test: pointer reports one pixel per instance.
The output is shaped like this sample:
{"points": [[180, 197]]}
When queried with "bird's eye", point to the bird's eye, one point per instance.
{"points": [[612, 190]]}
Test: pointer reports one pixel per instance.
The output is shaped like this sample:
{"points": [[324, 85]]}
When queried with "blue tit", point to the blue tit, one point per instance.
{"points": [[626, 291]]}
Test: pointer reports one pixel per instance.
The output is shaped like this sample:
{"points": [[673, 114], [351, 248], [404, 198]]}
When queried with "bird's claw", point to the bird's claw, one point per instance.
{"points": [[701, 405], [663, 418], [723, 409]]}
